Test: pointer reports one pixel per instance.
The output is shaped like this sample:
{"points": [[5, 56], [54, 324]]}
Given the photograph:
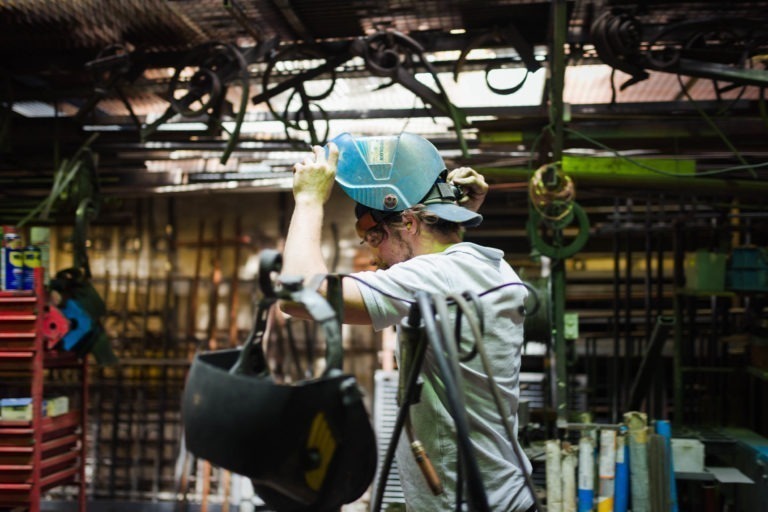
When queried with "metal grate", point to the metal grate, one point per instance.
{"points": [[384, 414]]}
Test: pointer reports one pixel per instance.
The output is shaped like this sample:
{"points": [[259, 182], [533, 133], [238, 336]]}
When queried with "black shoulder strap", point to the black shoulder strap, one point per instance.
{"points": [[327, 312], [334, 297]]}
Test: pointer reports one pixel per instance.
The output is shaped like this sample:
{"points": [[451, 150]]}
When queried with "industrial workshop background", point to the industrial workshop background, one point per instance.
{"points": [[625, 143]]}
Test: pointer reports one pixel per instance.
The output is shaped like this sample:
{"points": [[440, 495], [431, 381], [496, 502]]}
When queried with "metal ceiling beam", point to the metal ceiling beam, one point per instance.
{"points": [[293, 20]]}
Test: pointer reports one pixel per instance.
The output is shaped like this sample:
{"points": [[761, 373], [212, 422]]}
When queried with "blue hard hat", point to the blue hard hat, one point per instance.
{"points": [[392, 173]]}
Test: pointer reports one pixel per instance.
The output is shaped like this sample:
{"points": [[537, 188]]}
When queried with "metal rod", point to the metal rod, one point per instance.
{"points": [[557, 74], [661, 385], [614, 384], [595, 426], [629, 350], [558, 302], [678, 306]]}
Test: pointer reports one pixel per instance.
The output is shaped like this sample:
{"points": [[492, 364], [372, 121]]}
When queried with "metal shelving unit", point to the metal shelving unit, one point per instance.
{"points": [[45, 451]]}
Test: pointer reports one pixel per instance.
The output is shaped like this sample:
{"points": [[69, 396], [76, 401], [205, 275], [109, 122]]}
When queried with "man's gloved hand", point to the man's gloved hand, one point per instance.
{"points": [[474, 186], [314, 177]]}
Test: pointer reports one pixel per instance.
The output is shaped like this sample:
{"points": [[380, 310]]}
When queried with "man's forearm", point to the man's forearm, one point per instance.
{"points": [[303, 254]]}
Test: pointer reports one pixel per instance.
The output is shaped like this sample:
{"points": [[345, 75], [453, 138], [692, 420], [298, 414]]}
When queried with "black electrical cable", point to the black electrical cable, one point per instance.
{"points": [[477, 496], [449, 342], [714, 126], [463, 306], [413, 324], [475, 299]]}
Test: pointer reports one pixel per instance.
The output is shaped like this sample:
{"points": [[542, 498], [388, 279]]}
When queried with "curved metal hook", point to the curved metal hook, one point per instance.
{"points": [[307, 99], [270, 261], [388, 66], [510, 35]]}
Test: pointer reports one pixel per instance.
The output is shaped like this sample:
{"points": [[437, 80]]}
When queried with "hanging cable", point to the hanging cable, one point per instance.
{"points": [[476, 491], [450, 342], [712, 125], [501, 407], [411, 326]]}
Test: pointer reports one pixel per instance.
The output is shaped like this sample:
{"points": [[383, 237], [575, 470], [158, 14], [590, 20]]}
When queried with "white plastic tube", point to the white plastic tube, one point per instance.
{"points": [[568, 466], [554, 476], [606, 470], [586, 472]]}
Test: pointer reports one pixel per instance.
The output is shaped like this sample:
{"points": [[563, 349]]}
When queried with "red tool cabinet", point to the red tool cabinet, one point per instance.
{"points": [[46, 451]]}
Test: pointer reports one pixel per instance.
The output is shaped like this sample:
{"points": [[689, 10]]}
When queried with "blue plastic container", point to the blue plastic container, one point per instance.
{"points": [[748, 270], [13, 269], [32, 260]]}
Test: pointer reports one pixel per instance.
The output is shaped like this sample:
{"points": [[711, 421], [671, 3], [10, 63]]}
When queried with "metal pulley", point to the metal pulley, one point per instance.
{"points": [[199, 88]]}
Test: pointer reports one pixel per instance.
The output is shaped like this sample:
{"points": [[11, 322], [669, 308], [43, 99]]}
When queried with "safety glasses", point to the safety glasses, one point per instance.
{"points": [[370, 230], [373, 237]]}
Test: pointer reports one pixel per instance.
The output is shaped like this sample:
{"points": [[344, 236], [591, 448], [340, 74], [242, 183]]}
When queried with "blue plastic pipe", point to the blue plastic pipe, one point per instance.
{"points": [[664, 429], [621, 491]]}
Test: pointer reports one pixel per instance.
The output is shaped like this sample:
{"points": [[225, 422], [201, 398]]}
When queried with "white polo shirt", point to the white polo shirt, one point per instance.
{"points": [[462, 267]]}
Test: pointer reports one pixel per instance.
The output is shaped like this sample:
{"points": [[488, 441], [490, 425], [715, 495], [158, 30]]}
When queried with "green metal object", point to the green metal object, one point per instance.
{"points": [[74, 179], [500, 137], [620, 167], [571, 326], [557, 83], [557, 73], [558, 313], [704, 185], [557, 250]]}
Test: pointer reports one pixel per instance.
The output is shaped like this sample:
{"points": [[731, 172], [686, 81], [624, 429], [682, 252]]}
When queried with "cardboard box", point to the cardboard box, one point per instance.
{"points": [[705, 271], [57, 406], [687, 455], [17, 409]]}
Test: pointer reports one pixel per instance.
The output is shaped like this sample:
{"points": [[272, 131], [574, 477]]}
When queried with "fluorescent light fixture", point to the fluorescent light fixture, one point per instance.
{"points": [[246, 167], [271, 127], [457, 31], [274, 183], [472, 119], [103, 128], [182, 127], [34, 109], [195, 187]]}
